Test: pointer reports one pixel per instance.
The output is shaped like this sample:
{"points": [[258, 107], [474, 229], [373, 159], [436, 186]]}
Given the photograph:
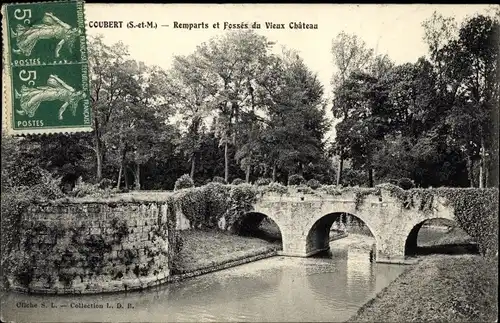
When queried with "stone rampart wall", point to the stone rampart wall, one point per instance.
{"points": [[93, 247]]}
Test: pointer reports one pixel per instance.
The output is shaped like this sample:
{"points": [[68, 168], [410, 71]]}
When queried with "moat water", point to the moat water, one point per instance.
{"points": [[330, 287]]}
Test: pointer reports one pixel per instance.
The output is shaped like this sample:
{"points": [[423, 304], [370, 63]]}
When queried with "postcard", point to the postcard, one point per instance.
{"points": [[249, 162]]}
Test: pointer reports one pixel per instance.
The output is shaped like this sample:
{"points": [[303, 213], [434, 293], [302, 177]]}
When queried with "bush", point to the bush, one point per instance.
{"points": [[405, 183], [14, 202], [276, 188], [94, 190], [218, 179], [185, 181], [242, 198], [263, 181], [296, 180], [313, 183], [331, 189], [305, 190], [106, 183], [238, 181], [217, 203]]}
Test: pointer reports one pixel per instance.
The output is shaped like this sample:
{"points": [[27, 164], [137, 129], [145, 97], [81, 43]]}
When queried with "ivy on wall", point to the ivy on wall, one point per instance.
{"points": [[67, 252], [204, 206], [475, 210]]}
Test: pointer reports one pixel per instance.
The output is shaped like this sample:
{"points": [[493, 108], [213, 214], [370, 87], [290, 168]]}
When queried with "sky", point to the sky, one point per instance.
{"points": [[394, 30]]}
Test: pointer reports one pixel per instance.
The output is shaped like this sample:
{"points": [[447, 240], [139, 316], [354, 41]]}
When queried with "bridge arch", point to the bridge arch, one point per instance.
{"points": [[411, 244], [318, 233], [249, 223]]}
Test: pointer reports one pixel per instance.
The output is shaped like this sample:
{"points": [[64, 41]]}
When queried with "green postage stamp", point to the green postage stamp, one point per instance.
{"points": [[46, 80]]}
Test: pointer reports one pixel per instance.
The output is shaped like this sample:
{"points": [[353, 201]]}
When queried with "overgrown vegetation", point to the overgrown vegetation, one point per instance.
{"points": [[263, 181], [313, 183], [63, 262], [274, 188], [237, 181], [16, 197], [296, 179], [475, 210], [185, 181]]}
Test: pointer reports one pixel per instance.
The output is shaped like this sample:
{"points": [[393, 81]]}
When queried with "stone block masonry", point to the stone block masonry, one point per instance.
{"points": [[72, 248]]}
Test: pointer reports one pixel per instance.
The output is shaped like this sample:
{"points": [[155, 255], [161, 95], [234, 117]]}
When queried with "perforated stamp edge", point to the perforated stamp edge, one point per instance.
{"points": [[7, 103]]}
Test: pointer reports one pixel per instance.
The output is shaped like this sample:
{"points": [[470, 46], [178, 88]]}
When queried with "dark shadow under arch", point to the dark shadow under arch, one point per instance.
{"points": [[318, 236], [448, 238], [258, 225]]}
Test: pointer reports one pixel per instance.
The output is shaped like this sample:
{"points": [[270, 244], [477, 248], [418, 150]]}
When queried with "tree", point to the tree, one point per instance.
{"points": [[350, 54], [467, 69], [191, 99], [366, 107], [110, 84], [140, 119], [228, 66], [293, 137]]}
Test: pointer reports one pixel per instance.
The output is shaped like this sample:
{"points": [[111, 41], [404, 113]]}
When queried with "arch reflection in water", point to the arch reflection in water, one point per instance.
{"points": [[269, 290], [319, 233]]}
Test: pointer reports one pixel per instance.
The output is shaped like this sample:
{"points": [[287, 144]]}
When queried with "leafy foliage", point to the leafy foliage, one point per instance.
{"points": [[242, 198], [185, 181], [273, 187], [313, 183], [296, 179], [331, 189], [92, 190], [237, 181], [475, 210], [218, 179], [263, 181], [405, 183], [429, 121]]}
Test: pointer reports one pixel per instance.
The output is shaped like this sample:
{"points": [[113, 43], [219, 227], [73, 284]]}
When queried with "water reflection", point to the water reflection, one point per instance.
{"points": [[330, 288]]}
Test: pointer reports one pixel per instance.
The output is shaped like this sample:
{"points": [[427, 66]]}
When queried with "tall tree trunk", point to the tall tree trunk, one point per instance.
{"points": [[125, 177], [120, 172], [193, 165], [98, 149], [482, 164], [137, 179], [274, 172], [370, 177], [339, 169], [247, 174], [226, 161], [486, 175], [470, 170], [119, 177], [99, 158]]}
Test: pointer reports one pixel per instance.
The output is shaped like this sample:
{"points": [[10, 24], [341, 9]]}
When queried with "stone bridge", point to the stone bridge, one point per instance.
{"points": [[305, 220]]}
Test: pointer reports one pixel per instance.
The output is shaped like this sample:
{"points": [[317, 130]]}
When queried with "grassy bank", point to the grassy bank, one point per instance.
{"points": [[206, 248], [448, 285], [440, 289]]}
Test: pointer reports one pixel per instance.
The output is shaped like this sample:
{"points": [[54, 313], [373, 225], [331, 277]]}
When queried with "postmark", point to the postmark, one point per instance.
{"points": [[46, 63]]}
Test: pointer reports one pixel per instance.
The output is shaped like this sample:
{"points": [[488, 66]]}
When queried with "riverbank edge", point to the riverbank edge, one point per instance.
{"points": [[381, 298], [251, 257], [150, 282], [408, 271]]}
